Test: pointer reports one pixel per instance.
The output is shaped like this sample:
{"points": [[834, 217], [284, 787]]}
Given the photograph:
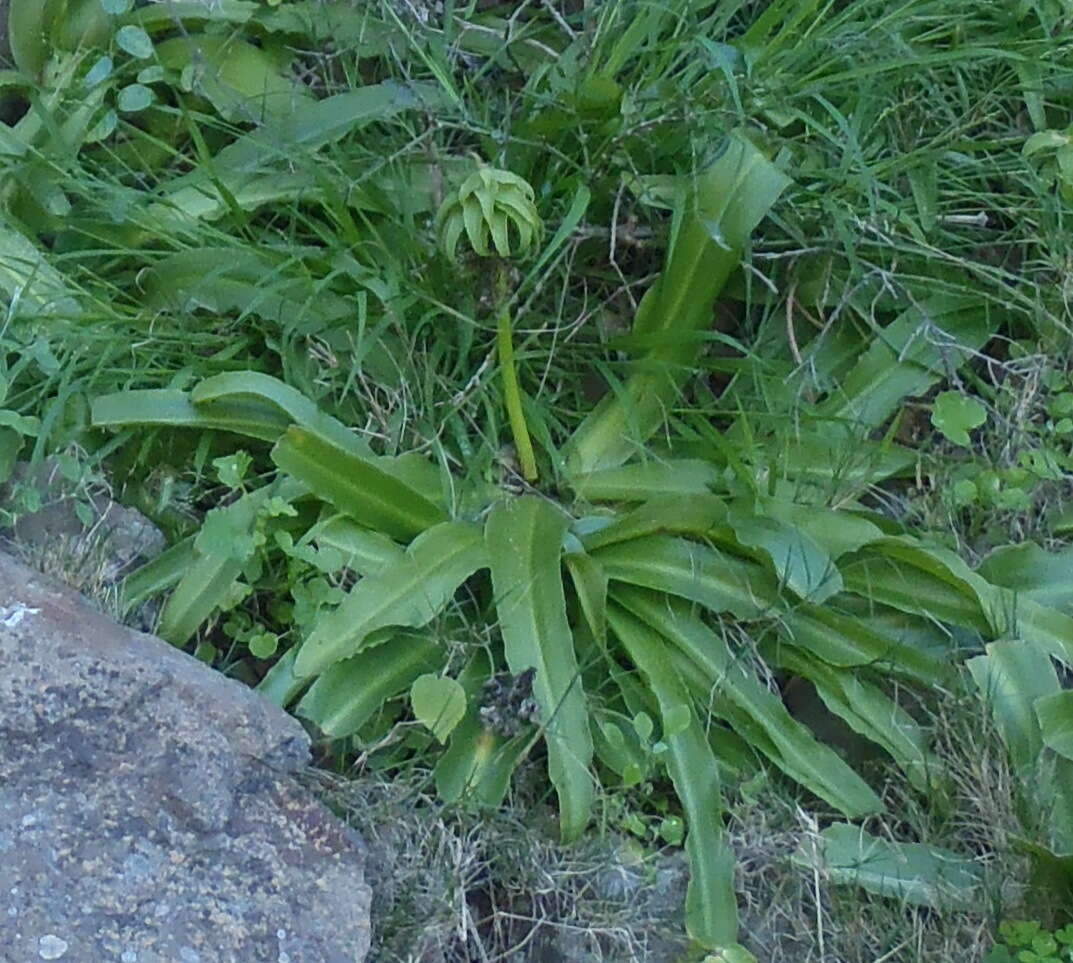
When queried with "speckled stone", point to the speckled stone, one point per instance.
{"points": [[147, 814]]}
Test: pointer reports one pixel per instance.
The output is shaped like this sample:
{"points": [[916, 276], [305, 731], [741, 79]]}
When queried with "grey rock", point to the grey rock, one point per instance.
{"points": [[115, 538], [147, 811]]}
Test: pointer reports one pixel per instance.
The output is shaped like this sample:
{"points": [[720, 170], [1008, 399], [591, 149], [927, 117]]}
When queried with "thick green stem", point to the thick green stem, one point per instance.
{"points": [[512, 395]]}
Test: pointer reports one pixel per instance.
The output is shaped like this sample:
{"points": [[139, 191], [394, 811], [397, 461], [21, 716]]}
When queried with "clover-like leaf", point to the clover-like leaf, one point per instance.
{"points": [[134, 41], [134, 97], [495, 209], [956, 414]]}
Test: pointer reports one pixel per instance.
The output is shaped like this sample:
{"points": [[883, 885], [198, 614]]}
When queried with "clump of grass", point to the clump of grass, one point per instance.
{"points": [[453, 886]]}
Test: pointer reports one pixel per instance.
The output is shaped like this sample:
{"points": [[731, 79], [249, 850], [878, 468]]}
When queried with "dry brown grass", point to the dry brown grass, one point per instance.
{"points": [[452, 887]]}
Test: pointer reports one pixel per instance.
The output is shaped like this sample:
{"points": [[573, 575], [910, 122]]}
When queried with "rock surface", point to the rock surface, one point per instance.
{"points": [[146, 811], [113, 537]]}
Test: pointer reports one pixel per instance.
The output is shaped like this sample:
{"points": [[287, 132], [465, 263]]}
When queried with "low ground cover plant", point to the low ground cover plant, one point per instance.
{"points": [[551, 383]]}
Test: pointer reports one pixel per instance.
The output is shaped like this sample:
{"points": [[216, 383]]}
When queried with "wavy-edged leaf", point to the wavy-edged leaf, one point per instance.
{"points": [[165, 406], [525, 538], [711, 908], [238, 386], [679, 477], [704, 575], [355, 485], [869, 711], [409, 593], [907, 872], [788, 744], [666, 515], [802, 565], [846, 640], [348, 693], [920, 584]]}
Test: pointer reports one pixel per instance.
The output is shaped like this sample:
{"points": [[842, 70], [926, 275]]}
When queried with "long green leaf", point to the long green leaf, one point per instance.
{"points": [[243, 385], [869, 711], [350, 545], [27, 278], [156, 576], [885, 577], [280, 685], [681, 477], [728, 201], [705, 575], [590, 586], [174, 408], [220, 550], [790, 745], [1012, 677], [410, 593], [355, 485], [909, 356], [347, 693], [525, 538], [854, 639], [668, 515], [908, 872], [802, 565], [1032, 573], [711, 908]]}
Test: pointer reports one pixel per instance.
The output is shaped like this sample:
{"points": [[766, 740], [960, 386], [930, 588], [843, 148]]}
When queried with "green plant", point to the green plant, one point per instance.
{"points": [[253, 246], [495, 204], [1028, 942], [622, 634]]}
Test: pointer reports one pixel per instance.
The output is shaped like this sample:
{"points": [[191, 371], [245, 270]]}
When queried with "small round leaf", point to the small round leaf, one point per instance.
{"points": [[116, 7], [99, 71], [134, 41], [133, 98], [438, 703], [103, 128], [263, 645], [675, 720]]}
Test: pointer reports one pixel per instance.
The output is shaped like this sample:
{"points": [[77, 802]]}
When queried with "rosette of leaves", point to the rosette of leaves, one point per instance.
{"points": [[493, 208], [497, 206], [649, 611]]}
